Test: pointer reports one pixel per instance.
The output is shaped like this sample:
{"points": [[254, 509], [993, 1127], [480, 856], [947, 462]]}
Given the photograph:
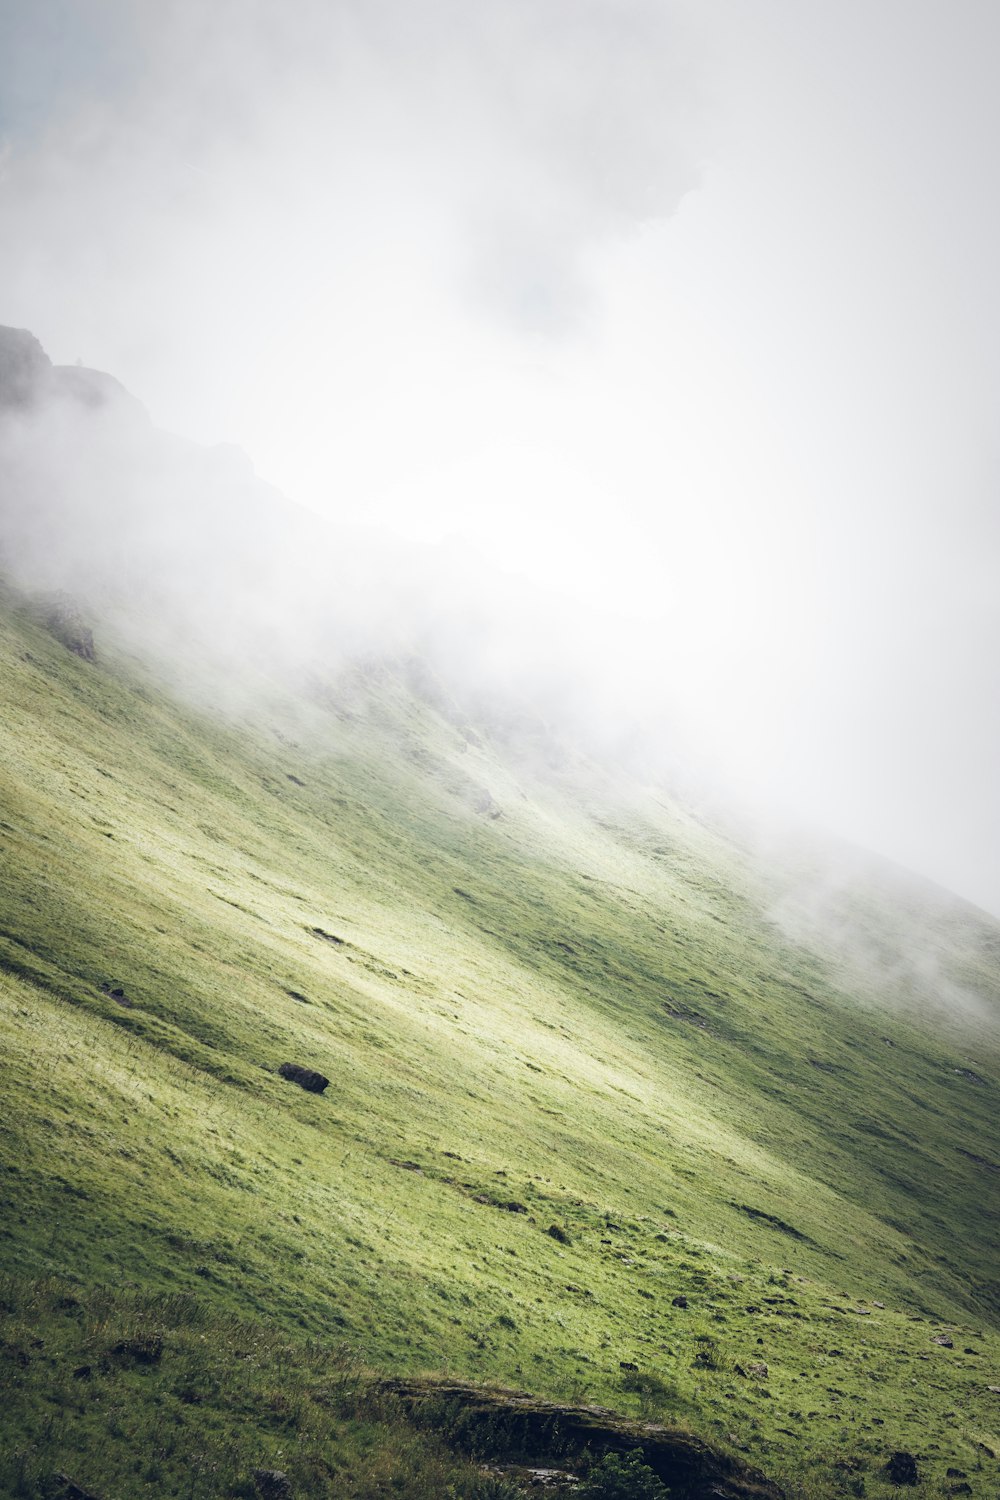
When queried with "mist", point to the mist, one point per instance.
{"points": [[676, 323]]}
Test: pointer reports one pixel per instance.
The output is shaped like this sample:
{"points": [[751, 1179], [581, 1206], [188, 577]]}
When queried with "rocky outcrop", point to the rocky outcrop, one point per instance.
{"points": [[25, 368], [902, 1469], [511, 1425], [28, 378], [272, 1484], [64, 619]]}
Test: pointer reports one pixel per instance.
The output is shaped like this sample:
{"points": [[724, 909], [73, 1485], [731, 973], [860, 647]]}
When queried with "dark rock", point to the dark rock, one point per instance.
{"points": [[955, 1474], [944, 1339], [73, 1491], [328, 937], [117, 994], [272, 1484], [902, 1468], [626, 1364], [680, 1301], [516, 1427], [147, 1349], [558, 1233], [514, 1208], [960, 1489], [306, 1078], [83, 1372]]}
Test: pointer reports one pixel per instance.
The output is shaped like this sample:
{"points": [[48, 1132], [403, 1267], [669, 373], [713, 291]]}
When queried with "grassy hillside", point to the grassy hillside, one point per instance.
{"points": [[578, 1069]]}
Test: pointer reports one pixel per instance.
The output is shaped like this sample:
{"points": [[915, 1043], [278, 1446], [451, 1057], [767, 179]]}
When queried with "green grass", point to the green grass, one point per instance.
{"points": [[584, 1007], [155, 1396]]}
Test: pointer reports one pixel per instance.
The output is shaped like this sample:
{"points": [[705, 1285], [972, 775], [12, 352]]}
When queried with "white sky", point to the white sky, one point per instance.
{"points": [[687, 312]]}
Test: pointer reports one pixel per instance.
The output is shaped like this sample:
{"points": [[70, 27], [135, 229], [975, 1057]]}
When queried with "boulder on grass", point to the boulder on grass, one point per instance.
{"points": [[272, 1484], [306, 1078], [902, 1468]]}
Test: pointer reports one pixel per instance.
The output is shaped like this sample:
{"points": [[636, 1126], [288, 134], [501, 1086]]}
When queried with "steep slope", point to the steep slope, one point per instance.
{"points": [[576, 1071], [622, 1107]]}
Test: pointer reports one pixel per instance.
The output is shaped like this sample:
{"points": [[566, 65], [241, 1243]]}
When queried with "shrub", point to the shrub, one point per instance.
{"points": [[622, 1477]]}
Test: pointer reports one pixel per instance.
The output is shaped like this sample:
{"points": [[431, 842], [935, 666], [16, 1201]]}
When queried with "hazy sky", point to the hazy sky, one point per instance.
{"points": [[685, 311]]}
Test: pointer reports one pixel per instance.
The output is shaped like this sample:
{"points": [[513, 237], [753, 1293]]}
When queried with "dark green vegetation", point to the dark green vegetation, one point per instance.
{"points": [[595, 1128]]}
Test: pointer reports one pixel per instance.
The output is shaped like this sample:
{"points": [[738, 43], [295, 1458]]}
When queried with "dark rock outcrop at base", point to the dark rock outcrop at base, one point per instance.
{"points": [[70, 1490], [145, 1349], [272, 1484], [306, 1078], [902, 1468], [514, 1426]]}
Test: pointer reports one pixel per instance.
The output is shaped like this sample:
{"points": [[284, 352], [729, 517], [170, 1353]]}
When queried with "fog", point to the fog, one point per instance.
{"points": [[677, 322]]}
